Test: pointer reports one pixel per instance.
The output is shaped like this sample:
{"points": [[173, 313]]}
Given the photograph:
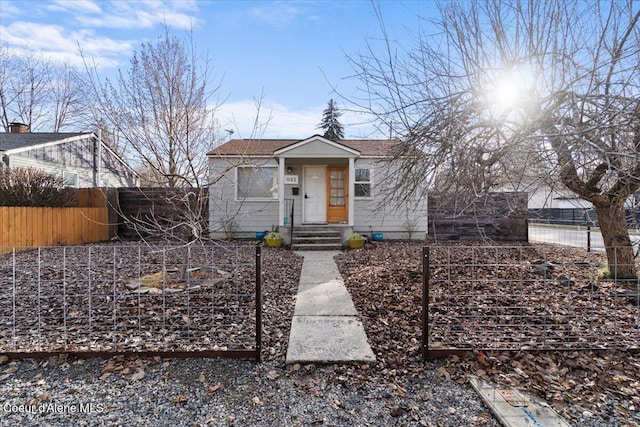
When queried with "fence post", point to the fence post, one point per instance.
{"points": [[588, 237], [425, 302], [258, 303]]}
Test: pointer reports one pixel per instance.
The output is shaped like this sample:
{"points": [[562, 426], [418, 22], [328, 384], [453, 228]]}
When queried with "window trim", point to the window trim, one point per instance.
{"points": [[71, 173], [274, 197], [356, 182]]}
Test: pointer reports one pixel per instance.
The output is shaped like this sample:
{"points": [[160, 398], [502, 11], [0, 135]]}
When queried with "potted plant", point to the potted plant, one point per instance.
{"points": [[356, 241], [274, 239]]}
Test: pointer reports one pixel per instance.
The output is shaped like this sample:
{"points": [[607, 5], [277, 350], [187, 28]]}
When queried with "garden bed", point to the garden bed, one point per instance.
{"points": [[123, 297], [386, 285]]}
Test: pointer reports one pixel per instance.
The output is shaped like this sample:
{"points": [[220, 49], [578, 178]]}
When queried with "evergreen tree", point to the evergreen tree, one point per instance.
{"points": [[333, 129]]}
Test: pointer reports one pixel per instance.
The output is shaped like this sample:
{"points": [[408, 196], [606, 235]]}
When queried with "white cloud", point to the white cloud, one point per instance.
{"points": [[142, 14], [279, 121], [274, 120], [61, 44], [281, 13], [8, 10], [75, 6]]}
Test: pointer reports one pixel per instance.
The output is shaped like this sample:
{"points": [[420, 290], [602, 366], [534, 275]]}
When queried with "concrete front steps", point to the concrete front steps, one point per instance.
{"points": [[316, 238]]}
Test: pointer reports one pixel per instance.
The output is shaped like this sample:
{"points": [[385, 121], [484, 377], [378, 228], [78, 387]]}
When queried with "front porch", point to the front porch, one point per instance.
{"points": [[316, 183]]}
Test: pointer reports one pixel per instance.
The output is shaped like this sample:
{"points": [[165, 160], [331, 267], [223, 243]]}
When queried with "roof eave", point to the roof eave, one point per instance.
{"points": [[240, 156], [305, 141]]}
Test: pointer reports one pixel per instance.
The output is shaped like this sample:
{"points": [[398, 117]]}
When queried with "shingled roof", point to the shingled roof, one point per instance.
{"points": [[266, 147]]}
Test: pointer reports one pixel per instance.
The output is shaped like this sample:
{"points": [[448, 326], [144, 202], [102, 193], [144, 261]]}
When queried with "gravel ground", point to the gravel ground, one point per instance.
{"points": [[189, 392], [192, 392]]}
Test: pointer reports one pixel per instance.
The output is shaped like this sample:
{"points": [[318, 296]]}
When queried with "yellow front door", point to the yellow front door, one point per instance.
{"points": [[337, 185]]}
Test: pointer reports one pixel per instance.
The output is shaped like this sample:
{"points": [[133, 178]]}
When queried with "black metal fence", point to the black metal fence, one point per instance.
{"points": [[195, 301], [577, 217], [579, 235], [523, 298]]}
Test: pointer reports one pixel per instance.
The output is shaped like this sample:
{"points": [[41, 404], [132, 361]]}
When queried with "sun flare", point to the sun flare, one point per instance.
{"points": [[508, 92]]}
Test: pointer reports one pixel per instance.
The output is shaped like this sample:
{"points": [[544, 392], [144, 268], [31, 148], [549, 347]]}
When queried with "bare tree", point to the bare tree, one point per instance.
{"points": [[67, 106], [162, 111], [500, 91], [43, 94], [162, 108]]}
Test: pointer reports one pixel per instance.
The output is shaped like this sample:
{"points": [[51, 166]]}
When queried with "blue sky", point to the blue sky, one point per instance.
{"points": [[289, 52]]}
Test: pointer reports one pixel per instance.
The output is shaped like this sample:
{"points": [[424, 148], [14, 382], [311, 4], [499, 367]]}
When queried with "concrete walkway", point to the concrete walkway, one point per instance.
{"points": [[325, 327]]}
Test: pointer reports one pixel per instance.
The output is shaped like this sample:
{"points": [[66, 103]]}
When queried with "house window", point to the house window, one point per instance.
{"points": [[363, 182], [70, 179], [256, 182]]}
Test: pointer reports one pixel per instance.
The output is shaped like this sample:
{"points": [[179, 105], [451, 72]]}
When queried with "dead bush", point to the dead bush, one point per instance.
{"points": [[36, 188]]}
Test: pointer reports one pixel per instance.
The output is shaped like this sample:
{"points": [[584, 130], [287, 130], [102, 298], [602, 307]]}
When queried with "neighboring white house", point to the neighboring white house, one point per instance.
{"points": [[80, 158], [556, 198], [255, 184]]}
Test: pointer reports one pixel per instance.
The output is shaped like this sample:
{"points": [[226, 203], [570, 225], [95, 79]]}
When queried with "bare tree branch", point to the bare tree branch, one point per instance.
{"points": [[501, 94]]}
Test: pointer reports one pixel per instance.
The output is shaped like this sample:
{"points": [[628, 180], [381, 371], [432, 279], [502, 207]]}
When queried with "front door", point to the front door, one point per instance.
{"points": [[315, 194], [337, 190]]}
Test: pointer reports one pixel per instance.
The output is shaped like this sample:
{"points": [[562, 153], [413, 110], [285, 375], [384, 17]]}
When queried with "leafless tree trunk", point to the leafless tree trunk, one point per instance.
{"points": [[495, 93]]}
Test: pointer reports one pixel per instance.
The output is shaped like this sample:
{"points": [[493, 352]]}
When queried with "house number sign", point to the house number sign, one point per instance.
{"points": [[291, 179]]}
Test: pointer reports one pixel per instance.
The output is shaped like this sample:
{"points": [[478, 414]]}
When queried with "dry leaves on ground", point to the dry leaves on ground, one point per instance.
{"points": [[386, 285]]}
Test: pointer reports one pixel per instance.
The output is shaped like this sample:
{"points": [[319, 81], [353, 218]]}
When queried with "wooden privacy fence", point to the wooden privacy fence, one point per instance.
{"points": [[34, 227], [91, 221], [495, 216]]}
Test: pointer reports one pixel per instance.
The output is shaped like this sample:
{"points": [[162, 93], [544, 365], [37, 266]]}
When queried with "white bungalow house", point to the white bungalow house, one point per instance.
{"points": [[259, 184], [81, 159]]}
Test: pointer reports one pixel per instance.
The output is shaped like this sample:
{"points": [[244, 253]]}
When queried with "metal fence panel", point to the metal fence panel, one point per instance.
{"points": [[125, 298], [517, 298]]}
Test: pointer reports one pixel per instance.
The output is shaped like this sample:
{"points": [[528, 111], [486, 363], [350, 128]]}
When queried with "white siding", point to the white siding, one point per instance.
{"points": [[547, 198], [380, 213], [74, 157], [231, 218], [85, 176], [318, 149]]}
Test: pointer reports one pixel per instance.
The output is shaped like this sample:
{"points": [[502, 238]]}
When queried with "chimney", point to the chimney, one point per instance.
{"points": [[16, 127]]}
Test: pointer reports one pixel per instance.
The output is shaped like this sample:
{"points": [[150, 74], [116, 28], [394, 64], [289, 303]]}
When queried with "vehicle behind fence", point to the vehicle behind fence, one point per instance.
{"points": [[524, 298], [200, 300]]}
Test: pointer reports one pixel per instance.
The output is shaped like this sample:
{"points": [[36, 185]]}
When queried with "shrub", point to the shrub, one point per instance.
{"points": [[33, 187]]}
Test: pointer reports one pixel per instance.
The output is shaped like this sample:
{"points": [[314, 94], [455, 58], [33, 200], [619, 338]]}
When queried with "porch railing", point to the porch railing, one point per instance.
{"points": [[289, 210]]}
